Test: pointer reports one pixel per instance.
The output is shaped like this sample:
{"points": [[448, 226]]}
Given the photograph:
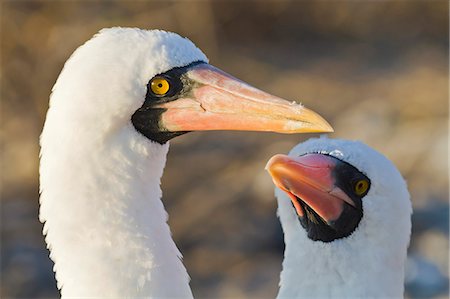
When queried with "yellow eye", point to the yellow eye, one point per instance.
{"points": [[159, 86], [361, 187]]}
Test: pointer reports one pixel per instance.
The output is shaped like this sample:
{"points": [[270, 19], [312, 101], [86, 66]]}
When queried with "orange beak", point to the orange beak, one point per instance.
{"points": [[219, 101], [310, 178]]}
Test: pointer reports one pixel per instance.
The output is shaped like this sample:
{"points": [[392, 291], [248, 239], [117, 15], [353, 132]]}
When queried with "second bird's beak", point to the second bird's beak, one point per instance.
{"points": [[218, 101], [310, 178]]}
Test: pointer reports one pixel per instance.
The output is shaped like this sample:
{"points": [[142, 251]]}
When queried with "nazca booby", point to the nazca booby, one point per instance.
{"points": [[118, 100], [346, 215]]}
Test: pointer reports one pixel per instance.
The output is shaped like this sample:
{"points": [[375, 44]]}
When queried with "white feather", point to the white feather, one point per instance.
{"points": [[370, 262], [105, 224]]}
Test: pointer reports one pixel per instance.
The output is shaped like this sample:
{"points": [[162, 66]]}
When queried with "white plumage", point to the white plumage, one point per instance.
{"points": [[369, 263], [100, 179], [103, 151]]}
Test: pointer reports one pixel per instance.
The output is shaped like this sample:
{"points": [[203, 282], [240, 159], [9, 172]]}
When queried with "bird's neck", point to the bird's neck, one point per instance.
{"points": [[345, 268], [105, 224]]}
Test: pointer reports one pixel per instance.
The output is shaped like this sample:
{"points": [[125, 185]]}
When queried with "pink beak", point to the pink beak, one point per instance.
{"points": [[310, 178], [219, 101]]}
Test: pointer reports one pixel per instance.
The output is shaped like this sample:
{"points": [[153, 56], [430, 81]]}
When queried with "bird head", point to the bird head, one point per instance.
{"points": [[340, 189], [162, 85]]}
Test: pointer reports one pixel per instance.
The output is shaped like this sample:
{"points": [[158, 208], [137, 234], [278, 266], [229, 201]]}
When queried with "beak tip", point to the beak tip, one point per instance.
{"points": [[315, 123], [328, 128], [276, 159], [268, 165], [325, 126]]}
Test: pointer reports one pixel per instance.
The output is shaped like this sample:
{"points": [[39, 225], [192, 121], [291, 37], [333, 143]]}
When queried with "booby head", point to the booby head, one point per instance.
{"points": [[346, 216], [340, 187], [163, 83], [326, 193], [118, 100]]}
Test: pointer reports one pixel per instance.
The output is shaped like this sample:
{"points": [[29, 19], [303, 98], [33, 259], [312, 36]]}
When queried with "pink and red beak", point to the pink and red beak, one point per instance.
{"points": [[310, 178], [219, 101]]}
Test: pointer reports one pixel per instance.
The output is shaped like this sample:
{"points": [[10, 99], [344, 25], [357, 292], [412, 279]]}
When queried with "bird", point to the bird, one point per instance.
{"points": [[346, 212], [117, 102]]}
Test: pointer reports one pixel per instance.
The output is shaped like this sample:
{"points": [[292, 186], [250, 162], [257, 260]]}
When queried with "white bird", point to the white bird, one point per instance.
{"points": [[346, 216], [119, 99]]}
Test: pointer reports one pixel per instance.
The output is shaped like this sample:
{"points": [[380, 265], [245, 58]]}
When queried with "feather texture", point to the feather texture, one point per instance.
{"points": [[370, 262], [105, 225]]}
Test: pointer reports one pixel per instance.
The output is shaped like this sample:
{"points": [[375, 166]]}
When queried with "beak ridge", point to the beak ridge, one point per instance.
{"points": [[219, 101]]}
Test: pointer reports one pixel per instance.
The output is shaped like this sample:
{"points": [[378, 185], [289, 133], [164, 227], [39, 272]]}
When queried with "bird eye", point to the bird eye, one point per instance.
{"points": [[361, 187], [159, 86]]}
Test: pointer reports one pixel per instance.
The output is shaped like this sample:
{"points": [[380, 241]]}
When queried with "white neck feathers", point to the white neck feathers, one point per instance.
{"points": [[370, 262], [105, 224], [358, 266]]}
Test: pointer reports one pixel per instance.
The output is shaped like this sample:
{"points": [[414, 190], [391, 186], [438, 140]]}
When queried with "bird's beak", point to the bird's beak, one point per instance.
{"points": [[218, 101], [310, 178]]}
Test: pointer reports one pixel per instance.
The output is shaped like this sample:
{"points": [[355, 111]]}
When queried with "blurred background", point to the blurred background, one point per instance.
{"points": [[378, 71]]}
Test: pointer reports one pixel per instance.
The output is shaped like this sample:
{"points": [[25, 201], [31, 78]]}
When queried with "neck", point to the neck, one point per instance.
{"points": [[352, 267], [105, 224]]}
